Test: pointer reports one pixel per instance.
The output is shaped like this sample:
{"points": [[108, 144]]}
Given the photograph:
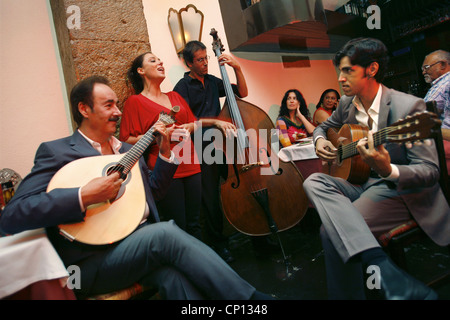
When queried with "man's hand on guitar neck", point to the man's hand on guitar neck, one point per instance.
{"points": [[376, 157], [325, 150]]}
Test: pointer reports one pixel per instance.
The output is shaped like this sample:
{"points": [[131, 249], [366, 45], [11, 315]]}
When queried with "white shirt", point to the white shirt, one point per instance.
{"points": [[114, 142], [363, 117]]}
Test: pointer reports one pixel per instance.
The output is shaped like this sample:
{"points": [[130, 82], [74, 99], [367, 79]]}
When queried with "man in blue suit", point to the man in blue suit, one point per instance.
{"points": [[156, 253], [403, 184]]}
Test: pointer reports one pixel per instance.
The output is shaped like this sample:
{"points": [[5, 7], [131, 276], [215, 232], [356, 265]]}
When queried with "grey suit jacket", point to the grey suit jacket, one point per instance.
{"points": [[418, 183]]}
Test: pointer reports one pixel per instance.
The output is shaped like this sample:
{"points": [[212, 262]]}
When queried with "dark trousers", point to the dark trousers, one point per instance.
{"points": [[183, 204], [211, 205], [162, 255]]}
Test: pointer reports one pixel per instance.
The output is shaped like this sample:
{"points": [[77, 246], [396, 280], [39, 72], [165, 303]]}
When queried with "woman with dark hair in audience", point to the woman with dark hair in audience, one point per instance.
{"points": [[140, 112], [293, 122], [327, 104]]}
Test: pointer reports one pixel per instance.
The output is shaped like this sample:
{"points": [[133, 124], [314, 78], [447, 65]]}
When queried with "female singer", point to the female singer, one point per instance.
{"points": [[140, 112]]}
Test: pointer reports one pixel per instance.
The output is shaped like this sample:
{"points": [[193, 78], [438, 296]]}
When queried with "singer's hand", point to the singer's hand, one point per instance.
{"points": [[163, 139]]}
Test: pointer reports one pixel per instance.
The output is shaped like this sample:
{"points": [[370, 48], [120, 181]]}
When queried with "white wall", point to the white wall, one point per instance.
{"points": [[156, 13], [32, 106], [267, 81]]}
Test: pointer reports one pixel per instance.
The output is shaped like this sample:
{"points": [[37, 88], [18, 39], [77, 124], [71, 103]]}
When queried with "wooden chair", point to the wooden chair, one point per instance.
{"points": [[135, 292], [396, 240]]}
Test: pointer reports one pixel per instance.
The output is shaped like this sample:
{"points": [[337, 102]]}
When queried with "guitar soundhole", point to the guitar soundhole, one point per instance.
{"points": [[339, 156], [114, 167], [118, 170]]}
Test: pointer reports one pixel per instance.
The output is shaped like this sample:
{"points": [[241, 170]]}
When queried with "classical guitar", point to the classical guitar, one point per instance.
{"points": [[348, 164], [111, 221]]}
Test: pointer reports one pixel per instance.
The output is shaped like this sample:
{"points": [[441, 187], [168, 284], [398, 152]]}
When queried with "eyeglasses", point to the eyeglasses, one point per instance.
{"points": [[201, 60], [428, 66]]}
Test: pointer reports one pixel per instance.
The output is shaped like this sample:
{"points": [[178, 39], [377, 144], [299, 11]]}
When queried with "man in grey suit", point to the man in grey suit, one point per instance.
{"points": [[403, 184], [157, 253]]}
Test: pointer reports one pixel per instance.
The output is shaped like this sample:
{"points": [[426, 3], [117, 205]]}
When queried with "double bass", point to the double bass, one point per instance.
{"points": [[261, 194]]}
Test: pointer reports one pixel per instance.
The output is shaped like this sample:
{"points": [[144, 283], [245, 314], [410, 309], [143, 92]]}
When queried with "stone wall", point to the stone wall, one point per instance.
{"points": [[110, 34]]}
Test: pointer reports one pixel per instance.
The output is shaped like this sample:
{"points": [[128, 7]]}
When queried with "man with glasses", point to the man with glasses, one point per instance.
{"points": [[202, 92], [435, 70]]}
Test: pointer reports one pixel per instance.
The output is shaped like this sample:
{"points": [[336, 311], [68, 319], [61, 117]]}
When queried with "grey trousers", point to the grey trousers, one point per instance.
{"points": [[181, 266], [352, 217]]}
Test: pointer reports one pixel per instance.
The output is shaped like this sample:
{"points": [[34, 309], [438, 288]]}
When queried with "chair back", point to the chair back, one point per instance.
{"points": [[439, 141]]}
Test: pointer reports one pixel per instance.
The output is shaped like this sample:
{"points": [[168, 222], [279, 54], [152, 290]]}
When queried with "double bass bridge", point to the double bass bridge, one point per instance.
{"points": [[249, 166]]}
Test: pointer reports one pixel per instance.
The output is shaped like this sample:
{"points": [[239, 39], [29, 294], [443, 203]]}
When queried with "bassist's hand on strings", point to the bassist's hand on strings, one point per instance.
{"points": [[227, 128], [227, 59], [376, 157]]}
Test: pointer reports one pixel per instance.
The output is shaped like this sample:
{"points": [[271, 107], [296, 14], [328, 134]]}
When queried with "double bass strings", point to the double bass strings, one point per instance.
{"points": [[235, 116]]}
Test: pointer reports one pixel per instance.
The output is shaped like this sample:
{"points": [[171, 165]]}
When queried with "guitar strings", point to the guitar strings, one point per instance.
{"points": [[139, 148], [349, 150], [127, 162], [133, 155]]}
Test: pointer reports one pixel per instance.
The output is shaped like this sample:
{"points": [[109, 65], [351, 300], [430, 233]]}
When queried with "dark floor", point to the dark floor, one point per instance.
{"points": [[305, 276]]}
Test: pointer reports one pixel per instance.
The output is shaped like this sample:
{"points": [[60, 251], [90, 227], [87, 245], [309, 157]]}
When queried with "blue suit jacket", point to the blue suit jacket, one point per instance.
{"points": [[32, 207]]}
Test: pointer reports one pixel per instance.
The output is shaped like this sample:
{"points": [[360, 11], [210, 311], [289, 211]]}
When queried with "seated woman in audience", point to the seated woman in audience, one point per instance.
{"points": [[293, 122], [327, 104], [140, 112]]}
